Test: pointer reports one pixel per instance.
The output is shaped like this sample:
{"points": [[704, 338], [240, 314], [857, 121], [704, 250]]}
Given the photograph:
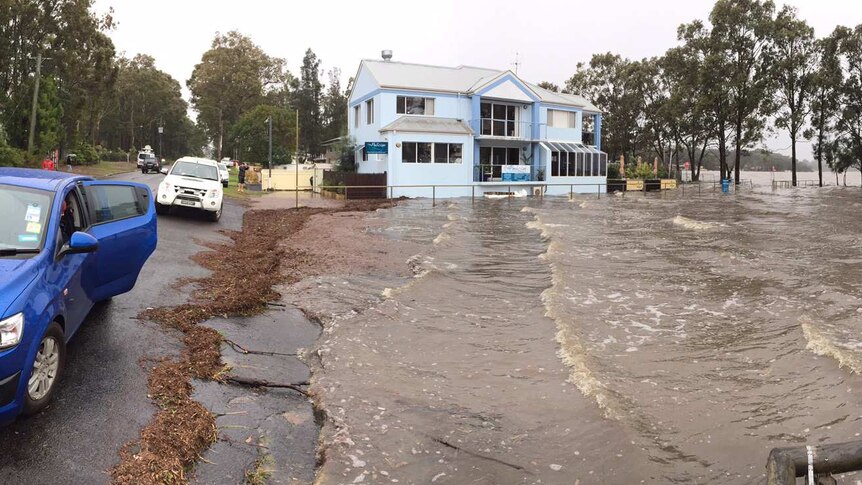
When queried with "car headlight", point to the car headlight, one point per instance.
{"points": [[11, 330], [213, 193]]}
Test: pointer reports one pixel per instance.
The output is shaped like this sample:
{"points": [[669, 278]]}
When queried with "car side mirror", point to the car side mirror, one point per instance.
{"points": [[79, 243], [164, 170]]}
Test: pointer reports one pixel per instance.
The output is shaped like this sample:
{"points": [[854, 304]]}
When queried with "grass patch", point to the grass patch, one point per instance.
{"points": [[231, 189], [101, 169]]}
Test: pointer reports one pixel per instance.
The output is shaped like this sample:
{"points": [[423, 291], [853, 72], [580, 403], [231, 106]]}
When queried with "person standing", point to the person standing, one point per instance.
{"points": [[243, 168], [47, 164]]}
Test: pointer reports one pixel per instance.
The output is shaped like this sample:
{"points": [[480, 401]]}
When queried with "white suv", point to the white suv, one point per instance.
{"points": [[192, 182]]}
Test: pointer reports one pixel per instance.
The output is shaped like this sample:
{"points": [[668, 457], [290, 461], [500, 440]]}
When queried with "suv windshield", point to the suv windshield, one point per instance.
{"points": [[25, 212], [197, 170]]}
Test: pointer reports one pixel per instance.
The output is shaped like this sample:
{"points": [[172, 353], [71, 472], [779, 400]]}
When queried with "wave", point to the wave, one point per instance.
{"points": [[572, 351], [696, 225], [822, 345]]}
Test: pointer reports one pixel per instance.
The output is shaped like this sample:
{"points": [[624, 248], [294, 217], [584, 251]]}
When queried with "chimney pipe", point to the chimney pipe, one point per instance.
{"points": [[386, 54]]}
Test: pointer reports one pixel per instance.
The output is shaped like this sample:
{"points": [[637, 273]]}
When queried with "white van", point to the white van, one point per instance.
{"points": [[194, 183]]}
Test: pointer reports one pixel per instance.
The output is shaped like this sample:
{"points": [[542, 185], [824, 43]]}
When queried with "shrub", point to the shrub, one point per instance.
{"points": [[642, 173], [86, 154], [12, 157]]}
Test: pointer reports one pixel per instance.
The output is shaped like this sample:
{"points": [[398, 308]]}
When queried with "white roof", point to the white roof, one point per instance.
{"points": [[461, 79], [428, 124]]}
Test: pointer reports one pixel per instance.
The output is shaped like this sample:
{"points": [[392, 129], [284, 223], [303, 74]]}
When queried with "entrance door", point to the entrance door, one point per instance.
{"points": [[492, 160]]}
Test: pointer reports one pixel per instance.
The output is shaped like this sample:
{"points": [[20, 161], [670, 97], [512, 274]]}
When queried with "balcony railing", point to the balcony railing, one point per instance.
{"points": [[506, 129], [494, 173]]}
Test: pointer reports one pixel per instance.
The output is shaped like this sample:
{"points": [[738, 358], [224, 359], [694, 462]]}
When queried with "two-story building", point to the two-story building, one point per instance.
{"points": [[482, 129]]}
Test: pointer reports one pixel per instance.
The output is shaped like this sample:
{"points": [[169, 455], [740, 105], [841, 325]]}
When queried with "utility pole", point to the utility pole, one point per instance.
{"points": [[297, 134], [269, 120], [161, 130], [32, 139]]}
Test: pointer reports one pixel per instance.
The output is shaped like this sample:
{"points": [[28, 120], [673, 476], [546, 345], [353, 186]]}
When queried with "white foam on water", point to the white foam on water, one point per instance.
{"points": [[695, 225], [572, 351], [822, 345], [441, 238]]}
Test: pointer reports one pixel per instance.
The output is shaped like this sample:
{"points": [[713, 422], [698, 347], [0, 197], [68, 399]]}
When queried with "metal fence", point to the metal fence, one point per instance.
{"points": [[388, 191]]}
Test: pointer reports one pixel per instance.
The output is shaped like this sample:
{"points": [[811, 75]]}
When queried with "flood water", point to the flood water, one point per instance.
{"points": [[659, 337]]}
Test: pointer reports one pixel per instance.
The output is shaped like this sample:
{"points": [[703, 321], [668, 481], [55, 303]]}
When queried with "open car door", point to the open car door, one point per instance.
{"points": [[122, 218]]}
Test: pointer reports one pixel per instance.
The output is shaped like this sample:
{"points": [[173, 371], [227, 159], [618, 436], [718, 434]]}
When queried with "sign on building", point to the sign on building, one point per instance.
{"points": [[516, 173], [377, 147]]}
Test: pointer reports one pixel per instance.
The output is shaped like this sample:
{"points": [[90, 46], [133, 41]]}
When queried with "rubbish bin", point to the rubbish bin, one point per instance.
{"points": [[725, 185]]}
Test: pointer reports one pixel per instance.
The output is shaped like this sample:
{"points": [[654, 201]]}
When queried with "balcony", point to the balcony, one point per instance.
{"points": [[496, 173], [491, 128]]}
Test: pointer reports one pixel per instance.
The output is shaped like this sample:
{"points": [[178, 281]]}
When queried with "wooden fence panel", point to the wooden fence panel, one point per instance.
{"points": [[349, 180]]}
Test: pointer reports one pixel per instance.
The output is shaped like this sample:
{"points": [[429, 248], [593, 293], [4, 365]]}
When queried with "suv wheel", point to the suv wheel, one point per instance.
{"points": [[162, 209], [46, 371], [215, 216]]}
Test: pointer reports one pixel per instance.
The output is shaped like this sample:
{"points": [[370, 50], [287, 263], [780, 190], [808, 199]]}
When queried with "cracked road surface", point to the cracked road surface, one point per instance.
{"points": [[101, 402]]}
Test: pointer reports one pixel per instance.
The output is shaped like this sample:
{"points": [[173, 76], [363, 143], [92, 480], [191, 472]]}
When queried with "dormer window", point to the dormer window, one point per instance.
{"points": [[414, 105]]}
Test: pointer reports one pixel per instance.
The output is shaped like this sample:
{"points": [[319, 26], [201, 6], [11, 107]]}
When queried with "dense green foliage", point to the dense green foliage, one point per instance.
{"points": [[713, 96], [102, 106]]}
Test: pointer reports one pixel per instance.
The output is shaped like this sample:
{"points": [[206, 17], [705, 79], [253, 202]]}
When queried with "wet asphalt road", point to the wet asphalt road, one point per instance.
{"points": [[102, 403]]}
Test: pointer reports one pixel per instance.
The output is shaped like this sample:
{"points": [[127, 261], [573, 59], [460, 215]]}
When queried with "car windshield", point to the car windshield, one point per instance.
{"points": [[25, 213], [196, 170]]}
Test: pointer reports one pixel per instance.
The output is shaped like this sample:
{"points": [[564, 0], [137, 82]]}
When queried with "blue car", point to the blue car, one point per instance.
{"points": [[66, 243]]}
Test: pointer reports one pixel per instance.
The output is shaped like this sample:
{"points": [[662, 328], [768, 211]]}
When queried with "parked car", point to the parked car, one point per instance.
{"points": [[151, 164], [192, 182], [224, 174], [66, 243]]}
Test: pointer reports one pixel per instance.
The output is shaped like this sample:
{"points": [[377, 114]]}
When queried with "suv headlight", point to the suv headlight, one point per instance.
{"points": [[11, 330], [213, 193]]}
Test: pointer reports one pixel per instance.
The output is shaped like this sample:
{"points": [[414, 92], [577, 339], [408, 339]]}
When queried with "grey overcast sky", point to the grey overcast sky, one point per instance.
{"points": [[549, 36]]}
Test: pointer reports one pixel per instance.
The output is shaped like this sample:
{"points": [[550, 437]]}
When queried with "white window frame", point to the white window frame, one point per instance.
{"points": [[571, 121], [369, 112], [357, 114], [401, 104]]}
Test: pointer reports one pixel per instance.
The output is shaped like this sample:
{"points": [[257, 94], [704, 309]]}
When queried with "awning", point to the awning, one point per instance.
{"points": [[558, 146]]}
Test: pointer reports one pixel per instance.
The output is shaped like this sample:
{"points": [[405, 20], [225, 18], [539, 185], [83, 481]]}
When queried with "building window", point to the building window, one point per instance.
{"points": [[418, 152], [369, 112], [364, 154], [448, 152], [561, 119], [499, 119], [577, 164], [415, 152], [356, 115], [414, 105], [589, 130]]}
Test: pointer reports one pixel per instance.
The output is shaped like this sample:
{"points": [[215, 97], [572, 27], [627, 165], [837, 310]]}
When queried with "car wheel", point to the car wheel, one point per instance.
{"points": [[215, 216], [162, 209], [143, 171], [46, 371]]}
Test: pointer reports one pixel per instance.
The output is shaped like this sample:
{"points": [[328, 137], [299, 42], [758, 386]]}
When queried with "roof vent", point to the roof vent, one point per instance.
{"points": [[387, 55]]}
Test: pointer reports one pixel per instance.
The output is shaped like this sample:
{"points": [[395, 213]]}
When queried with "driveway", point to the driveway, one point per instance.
{"points": [[102, 401]]}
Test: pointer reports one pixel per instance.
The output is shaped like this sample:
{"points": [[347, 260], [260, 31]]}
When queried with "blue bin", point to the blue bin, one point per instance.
{"points": [[725, 185]]}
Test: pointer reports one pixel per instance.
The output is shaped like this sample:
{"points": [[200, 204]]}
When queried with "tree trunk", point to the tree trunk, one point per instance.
{"points": [[220, 133], [820, 152], [737, 159], [793, 157]]}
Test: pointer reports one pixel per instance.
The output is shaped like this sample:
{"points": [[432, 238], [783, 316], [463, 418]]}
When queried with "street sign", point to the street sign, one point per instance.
{"points": [[377, 147], [161, 130]]}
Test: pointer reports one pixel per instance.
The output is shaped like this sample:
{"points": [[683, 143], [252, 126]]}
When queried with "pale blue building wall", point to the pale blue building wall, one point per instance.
{"points": [[430, 173]]}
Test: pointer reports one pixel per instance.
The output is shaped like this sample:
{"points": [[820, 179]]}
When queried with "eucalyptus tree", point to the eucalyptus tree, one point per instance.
{"points": [[709, 90], [653, 85], [826, 98], [848, 127], [610, 82], [686, 108], [795, 71], [233, 77]]}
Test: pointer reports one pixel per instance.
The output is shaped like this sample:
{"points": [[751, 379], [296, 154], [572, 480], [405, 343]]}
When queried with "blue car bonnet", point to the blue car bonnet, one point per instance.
{"points": [[15, 276]]}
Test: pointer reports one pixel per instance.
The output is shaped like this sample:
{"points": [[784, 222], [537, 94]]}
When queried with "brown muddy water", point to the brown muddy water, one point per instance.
{"points": [[657, 338]]}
